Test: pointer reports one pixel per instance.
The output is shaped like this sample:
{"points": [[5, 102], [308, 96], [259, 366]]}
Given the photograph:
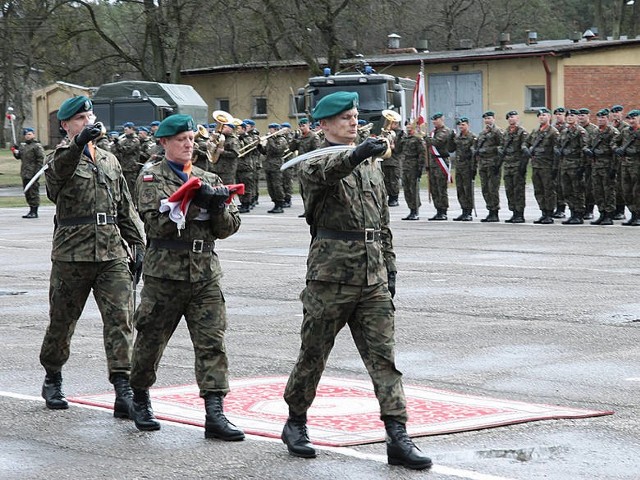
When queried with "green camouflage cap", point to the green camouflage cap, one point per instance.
{"points": [[334, 104], [174, 125], [74, 105]]}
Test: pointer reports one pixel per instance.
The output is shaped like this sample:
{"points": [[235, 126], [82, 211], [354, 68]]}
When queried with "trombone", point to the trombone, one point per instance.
{"points": [[250, 147]]}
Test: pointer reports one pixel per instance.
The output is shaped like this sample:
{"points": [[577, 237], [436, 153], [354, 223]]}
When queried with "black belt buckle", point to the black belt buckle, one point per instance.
{"points": [[369, 235], [101, 218], [198, 246]]}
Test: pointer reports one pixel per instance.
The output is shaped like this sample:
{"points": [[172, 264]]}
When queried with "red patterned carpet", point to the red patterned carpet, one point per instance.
{"points": [[345, 411]]}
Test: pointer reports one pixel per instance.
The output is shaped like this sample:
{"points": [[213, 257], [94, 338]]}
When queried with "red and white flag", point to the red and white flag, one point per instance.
{"points": [[419, 107]]}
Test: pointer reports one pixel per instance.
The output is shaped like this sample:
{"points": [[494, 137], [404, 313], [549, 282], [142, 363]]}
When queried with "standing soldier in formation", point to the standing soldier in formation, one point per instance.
{"points": [[413, 164], [95, 224], [629, 154], [618, 122], [604, 169], [592, 130], [303, 142], [128, 152], [275, 147], [561, 123], [465, 168], [392, 166], [31, 156], [541, 147], [572, 165], [489, 165], [227, 163], [515, 166], [439, 143]]}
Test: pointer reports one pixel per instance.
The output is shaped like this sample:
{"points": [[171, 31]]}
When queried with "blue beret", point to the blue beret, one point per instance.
{"points": [[230, 125], [274, 125], [143, 129], [584, 111], [489, 113], [510, 114], [362, 121], [175, 124], [27, 130], [542, 110], [603, 112], [437, 115], [155, 123], [74, 105], [128, 125], [286, 124], [248, 121], [559, 110], [304, 120], [114, 133], [617, 108], [335, 103], [462, 120]]}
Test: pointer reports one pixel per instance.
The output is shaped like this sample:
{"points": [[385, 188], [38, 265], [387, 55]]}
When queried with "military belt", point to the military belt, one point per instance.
{"points": [[195, 246], [98, 219], [368, 235]]}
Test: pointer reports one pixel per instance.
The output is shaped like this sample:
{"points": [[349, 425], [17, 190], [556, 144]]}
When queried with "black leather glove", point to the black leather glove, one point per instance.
{"points": [[620, 151], [371, 147], [588, 152], [391, 285], [211, 198], [135, 266], [88, 133]]}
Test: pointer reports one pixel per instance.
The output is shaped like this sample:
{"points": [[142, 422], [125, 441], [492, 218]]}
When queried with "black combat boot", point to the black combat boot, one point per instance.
{"points": [[441, 214], [574, 219], [588, 214], [619, 213], [459, 217], [216, 425], [607, 219], [33, 213], [142, 413], [466, 215], [547, 218], [559, 213], [401, 450], [52, 391], [277, 208], [598, 220], [296, 437], [413, 215], [633, 221], [393, 201], [124, 396], [492, 217], [244, 208], [518, 217], [510, 220], [287, 201]]}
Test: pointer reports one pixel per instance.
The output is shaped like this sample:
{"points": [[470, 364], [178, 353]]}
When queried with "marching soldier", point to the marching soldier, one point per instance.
{"points": [[489, 164], [465, 168], [31, 156], [629, 154], [128, 152], [540, 146], [560, 124], [227, 163], [592, 130], [515, 166], [618, 122], [413, 164], [570, 151]]}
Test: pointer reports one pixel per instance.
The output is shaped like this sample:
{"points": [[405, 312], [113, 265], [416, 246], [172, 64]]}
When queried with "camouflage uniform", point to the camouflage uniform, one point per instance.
{"points": [[465, 169], [31, 156], [489, 165], [561, 199], [630, 160], [544, 164], [620, 202], [181, 277], [276, 146], [392, 168], [349, 259], [128, 152], [604, 169], [304, 144], [94, 218], [592, 130], [227, 164], [441, 139], [413, 164], [289, 173], [146, 147], [246, 170], [515, 167], [571, 144]]}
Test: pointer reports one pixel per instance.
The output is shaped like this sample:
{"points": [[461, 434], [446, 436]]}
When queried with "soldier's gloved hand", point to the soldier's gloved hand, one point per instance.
{"points": [[588, 152], [371, 147], [15, 149], [526, 151], [391, 285], [211, 198], [88, 133], [135, 266], [620, 151]]}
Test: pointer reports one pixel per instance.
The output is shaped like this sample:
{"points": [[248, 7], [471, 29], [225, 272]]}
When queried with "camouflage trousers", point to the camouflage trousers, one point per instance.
{"points": [[369, 312], [438, 183], [464, 185], [573, 189], [162, 304], [248, 178], [274, 185], [604, 189], [544, 181], [411, 186], [287, 182], [131, 176], [70, 285], [588, 188], [514, 186], [631, 185], [391, 179], [490, 184], [33, 194]]}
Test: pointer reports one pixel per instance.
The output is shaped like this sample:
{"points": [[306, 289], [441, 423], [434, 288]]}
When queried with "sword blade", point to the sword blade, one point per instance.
{"points": [[316, 153]]}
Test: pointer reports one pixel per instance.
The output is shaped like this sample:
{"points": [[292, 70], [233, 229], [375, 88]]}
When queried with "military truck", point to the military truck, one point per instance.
{"points": [[377, 92], [143, 102]]}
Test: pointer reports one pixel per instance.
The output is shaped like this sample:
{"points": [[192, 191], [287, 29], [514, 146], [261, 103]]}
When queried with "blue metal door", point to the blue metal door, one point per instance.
{"points": [[456, 95]]}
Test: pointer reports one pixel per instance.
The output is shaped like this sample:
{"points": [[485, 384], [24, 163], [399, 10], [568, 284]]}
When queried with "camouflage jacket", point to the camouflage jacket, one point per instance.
{"points": [[159, 182], [32, 157], [275, 149], [146, 146], [414, 153], [247, 162], [441, 139], [541, 143], [201, 155], [395, 160], [604, 143], [340, 198], [630, 141], [462, 145], [304, 144], [571, 143], [82, 188], [489, 139], [512, 143], [228, 161], [128, 152]]}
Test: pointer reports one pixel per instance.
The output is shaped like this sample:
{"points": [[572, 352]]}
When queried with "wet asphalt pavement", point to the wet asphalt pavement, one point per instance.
{"points": [[534, 313]]}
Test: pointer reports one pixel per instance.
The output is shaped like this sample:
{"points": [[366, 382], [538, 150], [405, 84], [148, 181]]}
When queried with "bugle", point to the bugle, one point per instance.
{"points": [[217, 138], [390, 117]]}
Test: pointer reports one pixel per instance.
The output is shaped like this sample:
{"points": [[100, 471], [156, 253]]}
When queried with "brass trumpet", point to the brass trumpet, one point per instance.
{"points": [[390, 116], [217, 138], [201, 132], [365, 128], [249, 147]]}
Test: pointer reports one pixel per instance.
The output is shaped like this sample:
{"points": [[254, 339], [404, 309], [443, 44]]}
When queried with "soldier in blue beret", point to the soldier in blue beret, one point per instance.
{"points": [[31, 156], [182, 275], [286, 125], [127, 149], [439, 143], [248, 121], [95, 223], [351, 273]]}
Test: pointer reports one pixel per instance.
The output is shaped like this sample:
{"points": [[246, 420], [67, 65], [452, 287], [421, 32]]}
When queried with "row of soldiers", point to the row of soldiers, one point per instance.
{"points": [[574, 162]]}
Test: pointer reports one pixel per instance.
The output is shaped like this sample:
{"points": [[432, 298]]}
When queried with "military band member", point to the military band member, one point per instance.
{"points": [[304, 141], [465, 168], [489, 164], [560, 124], [288, 174], [95, 224], [617, 121], [413, 164], [146, 144], [246, 166], [572, 165], [544, 164], [438, 143], [392, 166], [31, 156], [128, 152], [584, 120], [514, 166], [227, 163]]}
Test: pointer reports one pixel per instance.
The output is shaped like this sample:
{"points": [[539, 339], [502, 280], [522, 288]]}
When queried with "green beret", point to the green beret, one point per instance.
{"points": [[603, 112], [617, 108], [560, 110], [633, 113], [573, 111], [175, 124], [541, 111], [489, 113], [462, 120], [74, 105], [437, 115], [335, 103], [584, 111], [303, 121], [510, 114]]}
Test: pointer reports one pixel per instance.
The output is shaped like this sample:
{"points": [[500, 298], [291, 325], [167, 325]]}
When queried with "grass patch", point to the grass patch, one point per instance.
{"points": [[9, 170]]}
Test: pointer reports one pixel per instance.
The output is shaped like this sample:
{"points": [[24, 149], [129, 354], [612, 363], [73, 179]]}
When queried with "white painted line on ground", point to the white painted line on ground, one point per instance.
{"points": [[346, 451]]}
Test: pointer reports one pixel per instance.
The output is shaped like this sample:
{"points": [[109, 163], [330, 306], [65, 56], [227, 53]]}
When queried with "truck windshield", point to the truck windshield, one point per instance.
{"points": [[141, 114], [373, 97]]}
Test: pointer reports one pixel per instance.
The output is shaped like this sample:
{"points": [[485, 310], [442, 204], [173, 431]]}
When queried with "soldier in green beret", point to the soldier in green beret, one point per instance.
{"points": [[489, 164], [95, 225], [515, 166], [584, 120], [617, 121], [350, 278], [439, 143], [560, 124], [182, 275], [465, 168], [629, 154], [572, 165]]}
